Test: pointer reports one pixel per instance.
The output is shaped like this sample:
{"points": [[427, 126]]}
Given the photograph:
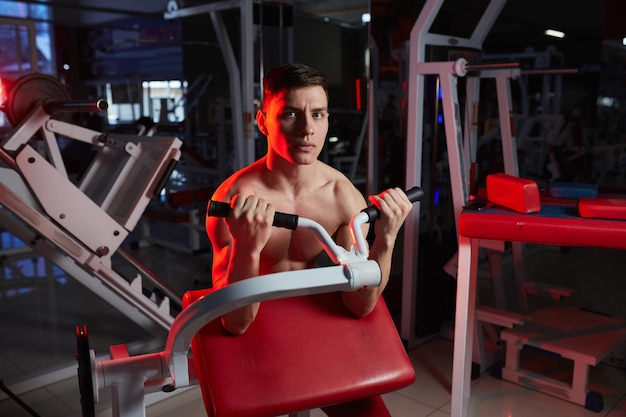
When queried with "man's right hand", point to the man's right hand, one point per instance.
{"points": [[250, 222]]}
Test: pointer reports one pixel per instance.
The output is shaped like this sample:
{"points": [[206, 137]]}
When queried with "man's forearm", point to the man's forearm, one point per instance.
{"points": [[362, 302], [242, 265]]}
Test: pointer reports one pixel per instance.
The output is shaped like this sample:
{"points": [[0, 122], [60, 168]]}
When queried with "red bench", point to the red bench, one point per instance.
{"points": [[300, 353]]}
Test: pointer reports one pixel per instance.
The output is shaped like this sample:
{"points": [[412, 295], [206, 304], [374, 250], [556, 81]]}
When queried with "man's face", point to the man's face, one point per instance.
{"points": [[296, 123]]}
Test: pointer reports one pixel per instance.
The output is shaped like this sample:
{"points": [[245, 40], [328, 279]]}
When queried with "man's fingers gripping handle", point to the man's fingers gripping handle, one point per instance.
{"points": [[220, 209], [414, 194]]}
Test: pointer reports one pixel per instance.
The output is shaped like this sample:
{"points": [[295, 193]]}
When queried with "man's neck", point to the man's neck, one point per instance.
{"points": [[287, 175]]}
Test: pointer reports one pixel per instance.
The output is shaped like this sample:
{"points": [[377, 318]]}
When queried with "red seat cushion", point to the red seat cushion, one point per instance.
{"points": [[603, 208], [300, 353]]}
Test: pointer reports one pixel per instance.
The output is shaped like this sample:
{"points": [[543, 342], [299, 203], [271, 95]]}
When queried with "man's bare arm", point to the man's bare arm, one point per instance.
{"points": [[394, 206], [237, 245]]}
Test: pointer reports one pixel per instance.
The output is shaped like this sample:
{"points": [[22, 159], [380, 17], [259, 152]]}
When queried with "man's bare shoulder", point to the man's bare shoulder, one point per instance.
{"points": [[342, 194], [350, 198], [242, 181]]}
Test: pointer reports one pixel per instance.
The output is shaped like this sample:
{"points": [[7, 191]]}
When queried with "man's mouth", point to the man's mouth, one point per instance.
{"points": [[304, 146]]}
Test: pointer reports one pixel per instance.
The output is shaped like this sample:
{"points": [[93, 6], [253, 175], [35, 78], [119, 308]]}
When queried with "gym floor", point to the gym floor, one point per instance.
{"points": [[41, 306]]}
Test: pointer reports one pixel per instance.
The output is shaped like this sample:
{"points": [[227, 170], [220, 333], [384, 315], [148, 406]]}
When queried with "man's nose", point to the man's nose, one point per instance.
{"points": [[307, 126]]}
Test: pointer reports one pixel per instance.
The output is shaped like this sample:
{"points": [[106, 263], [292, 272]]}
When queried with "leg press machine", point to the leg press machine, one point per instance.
{"points": [[79, 223]]}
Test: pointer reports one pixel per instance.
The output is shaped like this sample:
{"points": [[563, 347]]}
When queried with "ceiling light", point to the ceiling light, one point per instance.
{"points": [[555, 33], [366, 18]]}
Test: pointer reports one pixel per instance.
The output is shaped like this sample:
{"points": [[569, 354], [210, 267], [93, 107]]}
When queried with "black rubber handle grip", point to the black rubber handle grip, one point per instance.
{"points": [[219, 209], [290, 221], [414, 194]]}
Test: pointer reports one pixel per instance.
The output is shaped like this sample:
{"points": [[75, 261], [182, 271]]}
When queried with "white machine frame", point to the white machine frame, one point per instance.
{"points": [[461, 149], [79, 224]]}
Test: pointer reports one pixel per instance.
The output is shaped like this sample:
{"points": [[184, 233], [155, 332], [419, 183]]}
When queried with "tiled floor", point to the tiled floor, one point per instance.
{"points": [[40, 307]]}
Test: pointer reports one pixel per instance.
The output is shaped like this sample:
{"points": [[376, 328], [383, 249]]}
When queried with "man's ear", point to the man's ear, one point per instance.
{"points": [[260, 121]]}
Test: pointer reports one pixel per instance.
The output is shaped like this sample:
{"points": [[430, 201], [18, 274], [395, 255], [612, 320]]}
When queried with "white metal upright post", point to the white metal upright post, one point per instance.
{"points": [[447, 73], [418, 68]]}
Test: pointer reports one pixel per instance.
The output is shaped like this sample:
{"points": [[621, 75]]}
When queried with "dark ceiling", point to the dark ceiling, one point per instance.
{"points": [[518, 16], [520, 25]]}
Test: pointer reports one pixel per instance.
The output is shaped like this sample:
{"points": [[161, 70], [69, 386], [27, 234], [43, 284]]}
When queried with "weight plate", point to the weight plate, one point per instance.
{"points": [[85, 378], [31, 90]]}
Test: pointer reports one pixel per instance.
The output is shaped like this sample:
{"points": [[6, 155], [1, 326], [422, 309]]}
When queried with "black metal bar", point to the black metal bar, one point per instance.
{"points": [[17, 399], [55, 106], [488, 66]]}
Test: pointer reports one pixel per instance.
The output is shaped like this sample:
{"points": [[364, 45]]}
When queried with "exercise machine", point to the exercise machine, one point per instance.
{"points": [[78, 220], [347, 358]]}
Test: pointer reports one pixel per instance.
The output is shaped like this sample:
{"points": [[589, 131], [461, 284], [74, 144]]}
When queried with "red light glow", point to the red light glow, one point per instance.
{"points": [[358, 93]]}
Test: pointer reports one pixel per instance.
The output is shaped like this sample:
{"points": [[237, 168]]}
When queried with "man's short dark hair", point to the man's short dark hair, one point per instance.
{"points": [[290, 76]]}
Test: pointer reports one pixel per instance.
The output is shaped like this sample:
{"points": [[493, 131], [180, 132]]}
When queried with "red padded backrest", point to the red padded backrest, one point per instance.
{"points": [[300, 353]]}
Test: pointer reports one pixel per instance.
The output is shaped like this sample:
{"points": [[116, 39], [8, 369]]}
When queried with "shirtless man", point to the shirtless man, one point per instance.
{"points": [[291, 179]]}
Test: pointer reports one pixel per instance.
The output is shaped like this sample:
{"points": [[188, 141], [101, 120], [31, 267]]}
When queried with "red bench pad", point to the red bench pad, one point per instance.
{"points": [[300, 353], [603, 208], [554, 225], [519, 194]]}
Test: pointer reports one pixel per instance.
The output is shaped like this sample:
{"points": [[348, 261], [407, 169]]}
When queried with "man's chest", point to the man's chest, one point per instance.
{"points": [[299, 246]]}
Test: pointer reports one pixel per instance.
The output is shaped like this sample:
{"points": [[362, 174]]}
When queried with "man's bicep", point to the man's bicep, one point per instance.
{"points": [[220, 243], [351, 202], [219, 268], [343, 237]]}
